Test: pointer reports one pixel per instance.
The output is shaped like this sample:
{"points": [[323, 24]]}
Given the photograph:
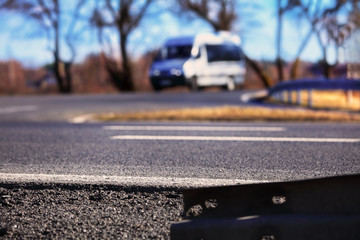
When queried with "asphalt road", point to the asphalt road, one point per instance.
{"points": [[60, 179], [61, 108], [37, 141]]}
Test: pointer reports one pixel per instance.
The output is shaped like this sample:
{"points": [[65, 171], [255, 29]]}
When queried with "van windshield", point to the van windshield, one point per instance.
{"points": [[175, 52], [224, 52]]}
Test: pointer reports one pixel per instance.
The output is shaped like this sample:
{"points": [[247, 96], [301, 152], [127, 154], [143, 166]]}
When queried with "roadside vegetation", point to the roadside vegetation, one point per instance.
{"points": [[337, 106], [115, 67], [233, 113]]}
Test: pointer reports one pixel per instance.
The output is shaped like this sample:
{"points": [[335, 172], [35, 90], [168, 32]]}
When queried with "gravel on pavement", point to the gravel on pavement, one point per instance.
{"points": [[87, 211]]}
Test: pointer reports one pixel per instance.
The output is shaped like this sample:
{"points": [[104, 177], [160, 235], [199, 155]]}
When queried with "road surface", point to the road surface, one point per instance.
{"points": [[63, 178], [40, 142], [60, 108]]}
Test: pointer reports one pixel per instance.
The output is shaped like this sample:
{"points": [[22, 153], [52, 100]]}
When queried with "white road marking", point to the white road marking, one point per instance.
{"points": [[194, 128], [237, 139], [15, 109], [122, 180], [246, 97], [81, 119]]}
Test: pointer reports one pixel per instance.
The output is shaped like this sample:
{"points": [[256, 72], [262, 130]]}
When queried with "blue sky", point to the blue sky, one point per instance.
{"points": [[22, 40]]}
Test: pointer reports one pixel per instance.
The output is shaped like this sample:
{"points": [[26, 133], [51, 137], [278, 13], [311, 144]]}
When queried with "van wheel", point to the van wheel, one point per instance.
{"points": [[193, 84], [157, 88], [230, 86]]}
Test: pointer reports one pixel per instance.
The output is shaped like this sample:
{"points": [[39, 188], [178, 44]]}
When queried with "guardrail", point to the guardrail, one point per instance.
{"points": [[326, 208], [309, 85], [323, 84], [304, 84]]}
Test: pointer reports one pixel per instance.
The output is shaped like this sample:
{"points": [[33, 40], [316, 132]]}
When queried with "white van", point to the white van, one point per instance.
{"points": [[212, 59]]}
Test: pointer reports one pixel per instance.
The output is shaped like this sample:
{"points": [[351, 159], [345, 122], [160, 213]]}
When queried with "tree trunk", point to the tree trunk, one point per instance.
{"points": [[326, 66], [126, 79], [68, 78], [279, 63], [56, 55], [266, 80], [327, 70], [64, 82], [115, 74], [294, 71]]}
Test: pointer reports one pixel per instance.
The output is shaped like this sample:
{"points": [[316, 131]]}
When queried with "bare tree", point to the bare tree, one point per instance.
{"points": [[224, 10], [311, 12], [279, 64], [281, 10], [125, 16], [48, 15], [354, 16], [323, 23], [328, 28], [329, 25], [350, 39]]}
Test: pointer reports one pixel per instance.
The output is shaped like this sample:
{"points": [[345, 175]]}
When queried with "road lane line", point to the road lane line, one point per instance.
{"points": [[236, 139], [194, 128], [247, 97], [15, 109], [81, 119], [122, 180]]}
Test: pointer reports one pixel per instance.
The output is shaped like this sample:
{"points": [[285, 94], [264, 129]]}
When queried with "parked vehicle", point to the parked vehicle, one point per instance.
{"points": [[211, 59]]}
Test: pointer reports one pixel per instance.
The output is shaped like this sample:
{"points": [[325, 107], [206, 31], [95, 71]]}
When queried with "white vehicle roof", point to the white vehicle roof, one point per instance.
{"points": [[204, 38]]}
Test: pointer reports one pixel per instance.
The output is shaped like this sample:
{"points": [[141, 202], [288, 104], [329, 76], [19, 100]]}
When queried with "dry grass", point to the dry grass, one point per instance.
{"points": [[234, 113]]}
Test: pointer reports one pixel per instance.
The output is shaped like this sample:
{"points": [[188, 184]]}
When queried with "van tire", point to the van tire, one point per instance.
{"points": [[230, 86], [157, 88], [193, 84]]}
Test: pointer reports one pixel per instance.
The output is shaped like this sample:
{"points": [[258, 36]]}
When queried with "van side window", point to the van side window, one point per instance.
{"points": [[224, 52], [178, 52]]}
